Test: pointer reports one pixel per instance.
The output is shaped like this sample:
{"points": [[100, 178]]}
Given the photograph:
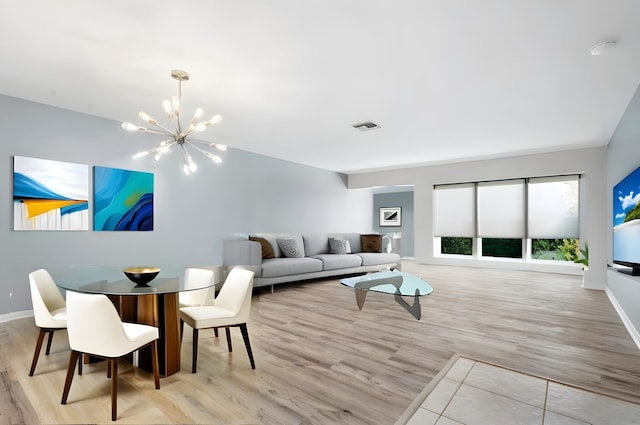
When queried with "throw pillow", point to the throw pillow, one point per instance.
{"points": [[267, 249], [371, 243], [290, 248], [339, 246]]}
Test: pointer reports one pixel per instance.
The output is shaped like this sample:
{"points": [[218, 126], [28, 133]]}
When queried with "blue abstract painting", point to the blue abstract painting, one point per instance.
{"points": [[50, 195], [123, 200]]}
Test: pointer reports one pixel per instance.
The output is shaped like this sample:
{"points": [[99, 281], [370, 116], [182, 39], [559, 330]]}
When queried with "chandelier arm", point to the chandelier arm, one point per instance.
{"points": [[163, 133], [185, 154], [207, 154], [204, 142], [166, 130], [196, 147]]}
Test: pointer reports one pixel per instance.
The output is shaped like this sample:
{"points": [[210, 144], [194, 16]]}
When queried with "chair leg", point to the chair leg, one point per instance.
{"points": [[36, 354], [245, 336], [215, 332], [181, 329], [194, 354], [229, 338], [49, 342], [114, 388], [73, 359], [154, 362]]}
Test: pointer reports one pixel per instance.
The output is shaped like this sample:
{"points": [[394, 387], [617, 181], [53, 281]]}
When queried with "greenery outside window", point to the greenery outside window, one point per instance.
{"points": [[555, 249], [502, 247], [456, 245]]}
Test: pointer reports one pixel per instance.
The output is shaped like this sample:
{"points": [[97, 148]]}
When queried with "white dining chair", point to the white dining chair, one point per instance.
{"points": [[197, 278], [232, 308], [95, 328], [194, 277], [49, 310]]}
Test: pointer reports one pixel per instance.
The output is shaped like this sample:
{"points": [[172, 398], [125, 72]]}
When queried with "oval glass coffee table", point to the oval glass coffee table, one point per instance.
{"points": [[391, 282]]}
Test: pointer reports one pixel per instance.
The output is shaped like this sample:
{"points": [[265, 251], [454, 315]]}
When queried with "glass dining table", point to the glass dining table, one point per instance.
{"points": [[155, 303]]}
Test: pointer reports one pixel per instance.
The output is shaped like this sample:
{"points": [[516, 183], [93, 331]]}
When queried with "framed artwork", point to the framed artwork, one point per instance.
{"points": [[391, 216], [50, 195], [123, 200]]}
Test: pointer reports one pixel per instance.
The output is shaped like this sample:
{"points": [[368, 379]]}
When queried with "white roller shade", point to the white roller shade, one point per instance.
{"points": [[454, 210], [501, 209], [554, 207]]}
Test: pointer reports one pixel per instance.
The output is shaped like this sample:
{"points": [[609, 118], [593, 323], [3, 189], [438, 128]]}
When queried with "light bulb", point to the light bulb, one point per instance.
{"points": [[164, 147], [141, 154], [218, 146], [186, 169], [129, 126], [215, 119], [166, 105], [144, 116], [157, 157]]}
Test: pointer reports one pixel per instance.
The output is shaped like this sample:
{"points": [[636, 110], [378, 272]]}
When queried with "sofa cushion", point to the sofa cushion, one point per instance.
{"points": [[271, 238], [353, 238], [371, 243], [339, 261], [339, 246], [276, 267], [315, 244], [267, 249], [374, 259], [290, 248]]}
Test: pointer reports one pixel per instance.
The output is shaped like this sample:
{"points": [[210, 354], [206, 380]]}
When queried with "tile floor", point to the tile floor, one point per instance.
{"points": [[476, 393]]}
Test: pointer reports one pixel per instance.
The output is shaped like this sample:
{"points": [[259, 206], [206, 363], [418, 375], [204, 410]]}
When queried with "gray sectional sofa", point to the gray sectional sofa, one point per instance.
{"points": [[306, 256]]}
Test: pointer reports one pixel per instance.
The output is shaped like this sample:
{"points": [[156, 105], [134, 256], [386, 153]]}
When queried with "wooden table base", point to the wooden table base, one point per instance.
{"points": [[161, 311]]}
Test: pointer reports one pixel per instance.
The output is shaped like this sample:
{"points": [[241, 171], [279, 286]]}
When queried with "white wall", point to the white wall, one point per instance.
{"points": [[246, 193], [590, 163]]}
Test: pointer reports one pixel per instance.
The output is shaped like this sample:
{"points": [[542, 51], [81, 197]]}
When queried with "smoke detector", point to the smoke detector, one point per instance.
{"points": [[366, 126], [602, 47]]}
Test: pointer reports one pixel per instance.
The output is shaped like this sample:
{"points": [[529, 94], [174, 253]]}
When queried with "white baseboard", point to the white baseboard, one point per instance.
{"points": [[15, 315], [625, 319]]}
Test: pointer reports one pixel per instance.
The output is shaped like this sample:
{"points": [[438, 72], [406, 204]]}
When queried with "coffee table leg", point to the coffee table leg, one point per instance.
{"points": [[414, 309], [361, 295]]}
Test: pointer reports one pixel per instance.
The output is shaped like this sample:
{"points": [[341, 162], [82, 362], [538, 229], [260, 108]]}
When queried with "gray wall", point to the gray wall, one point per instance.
{"points": [[396, 199], [624, 157], [246, 193]]}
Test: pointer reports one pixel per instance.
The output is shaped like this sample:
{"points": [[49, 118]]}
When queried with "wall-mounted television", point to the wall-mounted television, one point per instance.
{"points": [[626, 224]]}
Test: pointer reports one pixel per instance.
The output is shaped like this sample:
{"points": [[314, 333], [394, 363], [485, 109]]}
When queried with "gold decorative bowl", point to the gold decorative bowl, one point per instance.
{"points": [[141, 275]]}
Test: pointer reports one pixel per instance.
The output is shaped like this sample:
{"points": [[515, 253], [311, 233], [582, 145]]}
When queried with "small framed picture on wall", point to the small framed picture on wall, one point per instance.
{"points": [[391, 216]]}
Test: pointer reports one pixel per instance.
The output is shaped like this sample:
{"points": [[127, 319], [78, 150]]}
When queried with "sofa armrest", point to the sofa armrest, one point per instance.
{"points": [[241, 252]]}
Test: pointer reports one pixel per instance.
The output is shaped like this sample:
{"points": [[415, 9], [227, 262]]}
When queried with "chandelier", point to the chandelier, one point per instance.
{"points": [[181, 136]]}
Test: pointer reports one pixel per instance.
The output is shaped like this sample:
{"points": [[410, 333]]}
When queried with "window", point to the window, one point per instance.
{"points": [[455, 217], [553, 207], [536, 218], [501, 209]]}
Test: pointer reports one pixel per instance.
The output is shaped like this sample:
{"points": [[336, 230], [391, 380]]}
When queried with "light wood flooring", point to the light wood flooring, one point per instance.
{"points": [[319, 360]]}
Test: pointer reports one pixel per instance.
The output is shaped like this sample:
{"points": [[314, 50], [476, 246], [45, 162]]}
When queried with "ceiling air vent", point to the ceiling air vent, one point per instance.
{"points": [[366, 126]]}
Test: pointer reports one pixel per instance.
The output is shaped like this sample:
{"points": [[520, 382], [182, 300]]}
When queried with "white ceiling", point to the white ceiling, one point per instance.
{"points": [[447, 80]]}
